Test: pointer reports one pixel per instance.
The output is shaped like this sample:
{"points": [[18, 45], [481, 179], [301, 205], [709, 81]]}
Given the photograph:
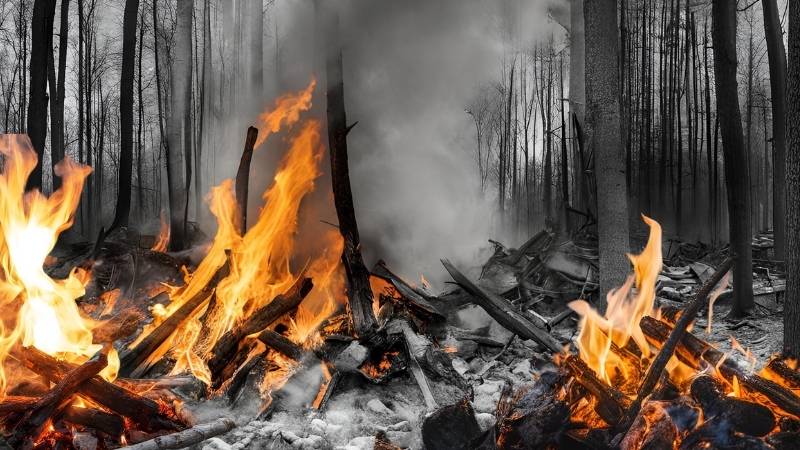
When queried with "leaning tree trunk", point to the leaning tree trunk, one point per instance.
{"points": [[41, 50], [777, 82], [125, 175], [737, 177], [179, 127], [791, 311], [604, 129]]}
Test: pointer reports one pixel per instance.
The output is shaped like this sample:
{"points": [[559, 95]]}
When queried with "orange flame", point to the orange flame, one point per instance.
{"points": [[39, 310], [625, 309], [162, 242], [285, 112]]}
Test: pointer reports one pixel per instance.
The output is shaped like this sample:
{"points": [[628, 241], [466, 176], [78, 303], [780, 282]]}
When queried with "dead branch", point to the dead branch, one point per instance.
{"points": [[188, 437], [243, 176]]}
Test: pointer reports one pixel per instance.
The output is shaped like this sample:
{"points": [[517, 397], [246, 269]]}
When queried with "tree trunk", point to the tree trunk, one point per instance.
{"points": [[57, 104], [577, 92], [777, 83], [791, 311], [180, 128], [603, 121], [737, 180], [125, 175], [41, 46]]}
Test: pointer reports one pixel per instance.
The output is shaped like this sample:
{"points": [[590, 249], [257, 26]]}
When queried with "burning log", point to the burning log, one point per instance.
{"points": [[243, 176], [653, 429], [232, 365], [693, 350], [240, 377], [411, 295], [664, 355], [188, 437], [744, 416], [134, 362], [263, 317], [145, 412], [503, 311], [281, 344], [790, 376], [610, 402], [110, 424], [30, 427]]}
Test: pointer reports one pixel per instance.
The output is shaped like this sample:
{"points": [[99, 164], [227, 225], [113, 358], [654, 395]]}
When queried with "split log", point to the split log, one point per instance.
{"points": [[29, 428], [110, 424], [359, 293], [188, 437], [263, 317], [145, 412], [134, 362], [665, 354], [744, 416], [326, 391], [281, 344], [653, 429], [790, 376], [239, 378], [243, 177], [694, 352], [610, 403], [503, 311]]}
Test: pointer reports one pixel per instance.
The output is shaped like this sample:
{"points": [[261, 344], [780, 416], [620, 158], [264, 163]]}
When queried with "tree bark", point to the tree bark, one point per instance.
{"points": [[791, 311], [125, 175], [179, 127], [57, 103], [737, 179], [777, 83], [603, 121], [41, 46]]}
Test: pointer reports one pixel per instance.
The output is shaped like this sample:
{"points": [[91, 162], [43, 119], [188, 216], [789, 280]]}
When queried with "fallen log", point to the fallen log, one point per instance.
{"points": [[503, 311], [665, 354], [243, 177], [259, 320], [694, 352], [746, 417], [145, 412], [610, 404], [281, 344], [110, 424], [133, 363], [29, 428], [188, 437]]}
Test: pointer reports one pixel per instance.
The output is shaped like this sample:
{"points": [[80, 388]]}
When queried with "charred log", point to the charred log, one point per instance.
{"points": [[610, 404], [281, 344], [110, 424], [243, 177], [452, 427], [744, 416], [537, 419]]}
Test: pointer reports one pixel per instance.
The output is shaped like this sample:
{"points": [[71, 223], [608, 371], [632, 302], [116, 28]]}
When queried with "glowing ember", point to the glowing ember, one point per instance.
{"points": [[43, 309]]}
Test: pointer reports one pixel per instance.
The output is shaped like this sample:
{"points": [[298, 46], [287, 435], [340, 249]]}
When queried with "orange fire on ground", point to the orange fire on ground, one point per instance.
{"points": [[260, 258], [162, 240], [39, 311]]}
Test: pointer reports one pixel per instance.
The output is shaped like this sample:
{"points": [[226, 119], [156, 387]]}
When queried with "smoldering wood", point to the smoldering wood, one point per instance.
{"points": [[240, 377], [188, 437], [746, 417], [611, 403], [281, 344], [692, 351], [451, 427], [503, 311], [790, 376], [260, 319], [281, 399], [145, 412], [666, 351], [133, 363], [537, 418], [122, 325], [15, 404], [232, 364], [243, 177], [110, 424], [411, 295], [30, 427], [661, 434]]}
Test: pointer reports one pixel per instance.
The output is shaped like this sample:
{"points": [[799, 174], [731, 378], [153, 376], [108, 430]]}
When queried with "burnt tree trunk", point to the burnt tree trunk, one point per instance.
{"points": [[125, 175], [41, 46], [777, 83], [604, 129], [243, 177], [791, 312], [737, 178], [359, 293]]}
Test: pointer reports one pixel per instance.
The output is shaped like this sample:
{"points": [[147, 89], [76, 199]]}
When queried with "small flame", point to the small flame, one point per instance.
{"points": [[162, 242]]}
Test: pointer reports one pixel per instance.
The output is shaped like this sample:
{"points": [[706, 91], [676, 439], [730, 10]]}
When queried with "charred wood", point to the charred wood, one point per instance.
{"points": [[451, 427], [744, 416], [790, 376], [281, 344], [537, 419], [610, 404], [108, 423], [243, 177]]}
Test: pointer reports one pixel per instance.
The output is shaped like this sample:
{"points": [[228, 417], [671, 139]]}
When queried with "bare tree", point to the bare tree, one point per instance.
{"points": [[57, 88], [604, 130], [41, 46], [737, 177]]}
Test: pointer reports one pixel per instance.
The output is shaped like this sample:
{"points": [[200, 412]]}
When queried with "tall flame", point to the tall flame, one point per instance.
{"points": [[620, 323], [38, 310], [260, 258]]}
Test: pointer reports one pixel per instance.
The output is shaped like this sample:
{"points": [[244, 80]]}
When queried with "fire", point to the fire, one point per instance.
{"points": [[162, 242], [259, 259], [620, 324], [38, 310]]}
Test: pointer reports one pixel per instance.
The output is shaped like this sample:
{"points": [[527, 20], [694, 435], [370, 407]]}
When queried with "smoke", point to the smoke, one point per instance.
{"points": [[410, 70]]}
